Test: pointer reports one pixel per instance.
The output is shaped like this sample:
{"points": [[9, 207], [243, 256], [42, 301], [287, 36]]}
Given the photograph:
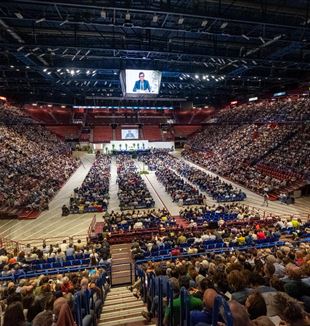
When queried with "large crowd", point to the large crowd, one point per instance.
{"points": [[289, 109], [49, 299], [93, 194], [137, 220], [175, 174], [34, 163], [266, 157], [261, 286], [133, 192]]}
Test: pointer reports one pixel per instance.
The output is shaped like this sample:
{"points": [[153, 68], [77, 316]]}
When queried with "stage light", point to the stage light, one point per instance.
{"points": [[63, 106], [262, 40], [196, 76], [87, 72], [234, 102], [12, 66], [204, 23], [45, 69], [223, 25], [103, 14], [204, 77], [78, 71], [18, 15], [27, 67], [58, 70], [49, 72], [64, 22], [127, 16], [40, 20], [72, 72], [155, 18], [180, 20]]}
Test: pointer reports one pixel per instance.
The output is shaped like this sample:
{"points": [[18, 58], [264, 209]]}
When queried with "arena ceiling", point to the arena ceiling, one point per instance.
{"points": [[210, 51]]}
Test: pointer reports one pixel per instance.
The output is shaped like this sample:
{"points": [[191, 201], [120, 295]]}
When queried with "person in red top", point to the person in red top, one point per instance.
{"points": [[261, 235]]}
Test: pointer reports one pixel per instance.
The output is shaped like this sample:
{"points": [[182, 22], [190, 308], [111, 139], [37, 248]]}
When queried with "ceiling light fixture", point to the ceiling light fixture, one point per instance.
{"points": [[40, 20]]}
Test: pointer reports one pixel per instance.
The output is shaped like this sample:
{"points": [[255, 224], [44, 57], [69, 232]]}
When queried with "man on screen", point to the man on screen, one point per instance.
{"points": [[141, 84], [129, 135]]}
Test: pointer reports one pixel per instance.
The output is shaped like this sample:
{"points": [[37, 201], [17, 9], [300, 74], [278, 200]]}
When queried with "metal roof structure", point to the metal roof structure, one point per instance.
{"points": [[210, 51]]}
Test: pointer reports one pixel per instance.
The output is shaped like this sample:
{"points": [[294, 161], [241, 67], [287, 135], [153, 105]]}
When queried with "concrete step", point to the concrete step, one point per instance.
{"points": [[119, 289], [112, 301], [122, 313], [122, 321], [123, 306], [119, 295]]}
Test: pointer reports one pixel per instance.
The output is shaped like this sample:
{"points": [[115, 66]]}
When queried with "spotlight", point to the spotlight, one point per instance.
{"points": [[180, 20], [223, 25], [18, 15], [40, 20], [103, 14], [155, 18], [204, 23], [45, 69], [196, 76], [127, 16], [72, 72]]}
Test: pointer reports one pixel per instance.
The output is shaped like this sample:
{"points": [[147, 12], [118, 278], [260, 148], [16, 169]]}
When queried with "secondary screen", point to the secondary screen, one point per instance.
{"points": [[130, 134]]}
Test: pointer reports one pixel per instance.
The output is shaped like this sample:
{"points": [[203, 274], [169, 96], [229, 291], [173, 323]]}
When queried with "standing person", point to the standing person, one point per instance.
{"points": [[266, 198]]}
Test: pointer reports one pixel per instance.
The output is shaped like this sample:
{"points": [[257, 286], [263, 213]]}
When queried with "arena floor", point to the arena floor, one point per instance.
{"points": [[51, 224]]}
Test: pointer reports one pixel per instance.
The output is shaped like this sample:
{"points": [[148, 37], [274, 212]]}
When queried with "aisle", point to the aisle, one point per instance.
{"points": [[157, 190], [113, 189], [50, 223]]}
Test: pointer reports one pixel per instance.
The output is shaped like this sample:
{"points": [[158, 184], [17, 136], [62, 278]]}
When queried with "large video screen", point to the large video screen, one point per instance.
{"points": [[142, 81], [128, 134]]}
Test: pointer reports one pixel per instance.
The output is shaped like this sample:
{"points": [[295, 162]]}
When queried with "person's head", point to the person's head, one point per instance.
{"points": [[209, 297], [236, 281], [141, 76], [256, 305], [44, 318], [14, 315], [239, 314], [289, 309], [184, 281]]}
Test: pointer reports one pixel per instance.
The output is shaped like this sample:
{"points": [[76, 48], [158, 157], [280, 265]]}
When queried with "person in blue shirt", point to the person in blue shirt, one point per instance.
{"points": [[142, 84]]}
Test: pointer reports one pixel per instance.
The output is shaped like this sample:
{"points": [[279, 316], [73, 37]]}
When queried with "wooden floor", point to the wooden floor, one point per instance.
{"points": [[51, 224]]}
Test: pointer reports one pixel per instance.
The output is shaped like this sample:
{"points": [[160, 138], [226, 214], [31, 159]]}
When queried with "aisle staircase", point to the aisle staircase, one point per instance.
{"points": [[122, 272], [122, 308]]}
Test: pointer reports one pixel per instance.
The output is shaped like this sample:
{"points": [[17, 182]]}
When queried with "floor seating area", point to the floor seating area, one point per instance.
{"points": [[133, 192], [93, 194]]}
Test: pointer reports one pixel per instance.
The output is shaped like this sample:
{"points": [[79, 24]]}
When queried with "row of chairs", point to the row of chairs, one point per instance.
{"points": [[50, 271]]}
